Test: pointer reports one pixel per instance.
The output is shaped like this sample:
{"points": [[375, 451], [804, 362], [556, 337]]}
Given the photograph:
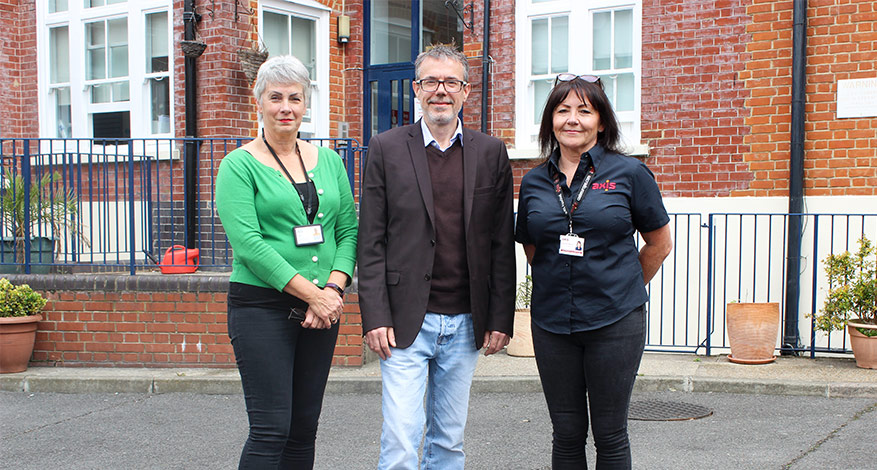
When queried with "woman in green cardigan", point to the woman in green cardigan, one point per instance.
{"points": [[287, 208]]}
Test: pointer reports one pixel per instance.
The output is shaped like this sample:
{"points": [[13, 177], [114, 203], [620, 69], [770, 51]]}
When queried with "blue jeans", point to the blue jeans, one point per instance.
{"points": [[440, 363], [590, 373], [284, 369]]}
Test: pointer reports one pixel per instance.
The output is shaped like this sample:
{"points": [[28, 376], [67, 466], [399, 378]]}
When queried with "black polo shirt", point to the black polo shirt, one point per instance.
{"points": [[572, 294]]}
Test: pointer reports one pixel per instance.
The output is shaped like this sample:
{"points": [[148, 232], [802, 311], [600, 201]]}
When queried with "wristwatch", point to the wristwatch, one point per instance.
{"points": [[336, 287]]}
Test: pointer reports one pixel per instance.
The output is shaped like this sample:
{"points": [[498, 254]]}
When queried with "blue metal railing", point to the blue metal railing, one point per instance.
{"points": [[127, 202], [676, 293], [728, 257], [128, 207], [747, 261]]}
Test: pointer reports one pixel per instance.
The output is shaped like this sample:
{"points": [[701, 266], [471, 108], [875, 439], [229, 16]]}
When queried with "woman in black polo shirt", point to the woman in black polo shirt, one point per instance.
{"points": [[589, 294]]}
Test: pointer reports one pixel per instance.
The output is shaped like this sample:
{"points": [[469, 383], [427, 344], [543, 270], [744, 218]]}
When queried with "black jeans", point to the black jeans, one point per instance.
{"points": [[284, 369], [590, 371]]}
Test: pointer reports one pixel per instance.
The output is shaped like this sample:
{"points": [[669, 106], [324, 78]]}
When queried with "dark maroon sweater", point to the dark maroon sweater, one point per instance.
{"points": [[449, 292]]}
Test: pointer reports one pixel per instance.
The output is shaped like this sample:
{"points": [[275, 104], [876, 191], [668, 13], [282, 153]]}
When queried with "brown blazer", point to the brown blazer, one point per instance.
{"points": [[397, 233]]}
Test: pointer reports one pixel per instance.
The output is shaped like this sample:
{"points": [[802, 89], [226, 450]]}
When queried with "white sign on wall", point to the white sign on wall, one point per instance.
{"points": [[857, 98], [418, 110]]}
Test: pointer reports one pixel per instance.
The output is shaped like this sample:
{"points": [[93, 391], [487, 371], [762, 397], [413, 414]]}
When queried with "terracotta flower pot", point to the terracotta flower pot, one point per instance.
{"points": [[752, 331], [521, 344], [864, 347], [17, 335]]}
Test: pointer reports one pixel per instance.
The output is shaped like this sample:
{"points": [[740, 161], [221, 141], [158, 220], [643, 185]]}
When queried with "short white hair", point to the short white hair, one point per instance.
{"points": [[282, 70]]}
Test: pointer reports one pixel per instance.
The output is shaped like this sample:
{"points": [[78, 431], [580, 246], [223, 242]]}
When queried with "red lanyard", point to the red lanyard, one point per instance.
{"points": [[579, 196]]}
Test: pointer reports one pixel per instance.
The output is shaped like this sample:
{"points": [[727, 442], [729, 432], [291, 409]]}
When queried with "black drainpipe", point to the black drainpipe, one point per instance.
{"points": [[190, 151], [485, 67], [791, 339]]}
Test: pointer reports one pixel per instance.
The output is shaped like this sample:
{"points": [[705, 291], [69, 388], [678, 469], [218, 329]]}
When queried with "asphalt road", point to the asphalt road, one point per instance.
{"points": [[505, 431]]}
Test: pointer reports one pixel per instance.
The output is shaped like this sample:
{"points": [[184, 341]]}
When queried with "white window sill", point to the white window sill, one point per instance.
{"points": [[530, 153], [524, 153]]}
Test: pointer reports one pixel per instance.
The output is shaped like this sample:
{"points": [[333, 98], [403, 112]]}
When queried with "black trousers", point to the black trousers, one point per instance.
{"points": [[590, 374], [284, 369]]}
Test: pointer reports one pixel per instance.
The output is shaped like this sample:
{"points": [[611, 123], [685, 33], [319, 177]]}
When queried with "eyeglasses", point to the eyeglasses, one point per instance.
{"points": [[451, 86], [568, 77]]}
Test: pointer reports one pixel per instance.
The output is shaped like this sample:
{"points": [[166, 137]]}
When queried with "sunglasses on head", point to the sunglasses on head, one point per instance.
{"points": [[568, 77]]}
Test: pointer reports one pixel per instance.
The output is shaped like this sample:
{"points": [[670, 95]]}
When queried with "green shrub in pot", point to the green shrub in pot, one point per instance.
{"points": [[19, 301]]}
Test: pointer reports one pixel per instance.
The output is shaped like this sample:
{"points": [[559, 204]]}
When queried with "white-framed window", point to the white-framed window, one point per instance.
{"points": [[301, 28], [602, 37], [106, 69], [157, 67], [59, 81]]}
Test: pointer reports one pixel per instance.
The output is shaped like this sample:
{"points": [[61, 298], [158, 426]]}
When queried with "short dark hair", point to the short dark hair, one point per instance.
{"points": [[441, 51], [608, 138]]}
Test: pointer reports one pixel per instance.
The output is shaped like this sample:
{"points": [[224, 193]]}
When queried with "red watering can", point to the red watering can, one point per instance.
{"points": [[184, 260]]}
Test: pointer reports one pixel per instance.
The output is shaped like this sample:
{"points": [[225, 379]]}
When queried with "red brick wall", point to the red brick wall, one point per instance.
{"points": [[226, 107], [337, 60], [715, 97], [349, 348], [519, 169], [147, 328], [693, 114], [716, 106], [351, 73], [840, 154], [501, 98], [225, 104], [143, 329], [18, 68]]}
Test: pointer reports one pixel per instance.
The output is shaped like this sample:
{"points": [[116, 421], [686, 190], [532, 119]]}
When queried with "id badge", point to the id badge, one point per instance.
{"points": [[308, 234], [572, 245]]}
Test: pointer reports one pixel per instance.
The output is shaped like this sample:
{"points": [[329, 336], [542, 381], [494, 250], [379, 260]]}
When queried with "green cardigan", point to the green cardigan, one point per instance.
{"points": [[259, 207]]}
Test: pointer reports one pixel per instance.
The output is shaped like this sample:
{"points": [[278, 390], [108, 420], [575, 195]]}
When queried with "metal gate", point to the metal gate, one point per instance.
{"points": [[720, 258]]}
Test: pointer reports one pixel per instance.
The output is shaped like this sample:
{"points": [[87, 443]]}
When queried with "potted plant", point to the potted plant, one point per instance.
{"points": [[49, 205], [521, 343], [19, 313], [752, 331], [852, 301]]}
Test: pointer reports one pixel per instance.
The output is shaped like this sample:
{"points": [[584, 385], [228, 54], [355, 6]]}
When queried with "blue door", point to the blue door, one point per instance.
{"points": [[389, 98], [396, 31]]}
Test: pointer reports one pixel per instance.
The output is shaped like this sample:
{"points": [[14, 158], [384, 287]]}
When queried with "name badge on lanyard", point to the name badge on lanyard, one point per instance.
{"points": [[308, 234], [572, 244], [303, 235]]}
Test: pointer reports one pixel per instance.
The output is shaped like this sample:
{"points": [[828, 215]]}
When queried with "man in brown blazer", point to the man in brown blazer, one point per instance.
{"points": [[436, 264]]}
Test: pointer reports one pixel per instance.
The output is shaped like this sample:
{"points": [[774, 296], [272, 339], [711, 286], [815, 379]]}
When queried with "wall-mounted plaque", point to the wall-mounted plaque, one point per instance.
{"points": [[857, 98]]}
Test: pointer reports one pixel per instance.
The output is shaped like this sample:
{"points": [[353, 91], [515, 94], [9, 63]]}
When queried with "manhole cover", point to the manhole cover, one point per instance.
{"points": [[652, 410]]}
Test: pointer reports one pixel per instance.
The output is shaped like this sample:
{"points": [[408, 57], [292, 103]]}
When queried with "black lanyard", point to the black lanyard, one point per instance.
{"points": [[305, 198], [579, 196]]}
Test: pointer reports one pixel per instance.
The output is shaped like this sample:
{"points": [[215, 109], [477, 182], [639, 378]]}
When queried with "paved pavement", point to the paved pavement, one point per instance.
{"points": [[824, 376], [794, 414], [505, 431]]}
